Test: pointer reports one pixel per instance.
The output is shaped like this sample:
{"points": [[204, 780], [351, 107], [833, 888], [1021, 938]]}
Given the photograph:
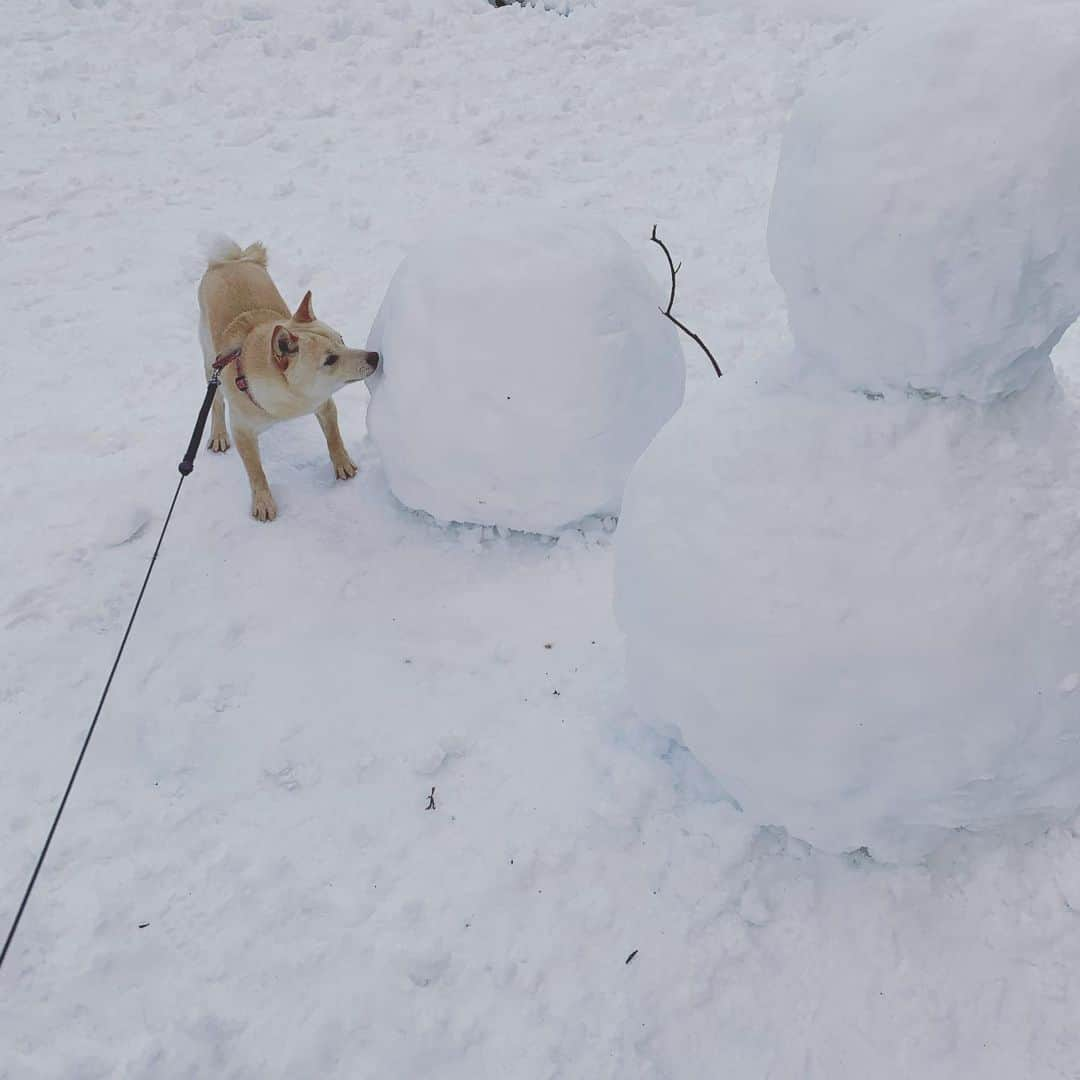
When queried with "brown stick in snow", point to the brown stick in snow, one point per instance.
{"points": [[671, 303]]}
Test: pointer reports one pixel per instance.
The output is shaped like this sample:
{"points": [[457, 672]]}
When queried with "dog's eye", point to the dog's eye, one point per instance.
{"points": [[331, 360]]}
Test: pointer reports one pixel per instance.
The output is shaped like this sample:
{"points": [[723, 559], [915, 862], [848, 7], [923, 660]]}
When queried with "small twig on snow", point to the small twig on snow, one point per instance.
{"points": [[431, 801], [671, 303]]}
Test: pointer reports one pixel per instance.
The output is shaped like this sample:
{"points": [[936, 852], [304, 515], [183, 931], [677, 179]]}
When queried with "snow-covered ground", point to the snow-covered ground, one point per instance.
{"points": [[255, 795]]}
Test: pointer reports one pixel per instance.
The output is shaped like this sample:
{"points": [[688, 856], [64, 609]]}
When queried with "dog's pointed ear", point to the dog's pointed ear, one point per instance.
{"points": [[284, 345], [304, 312]]}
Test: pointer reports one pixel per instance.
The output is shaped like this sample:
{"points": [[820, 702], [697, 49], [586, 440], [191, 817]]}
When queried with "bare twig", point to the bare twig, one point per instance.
{"points": [[431, 801], [666, 312]]}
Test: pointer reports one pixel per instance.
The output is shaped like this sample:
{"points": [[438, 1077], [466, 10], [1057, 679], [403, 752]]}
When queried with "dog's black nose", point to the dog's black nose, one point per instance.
{"points": [[373, 359]]}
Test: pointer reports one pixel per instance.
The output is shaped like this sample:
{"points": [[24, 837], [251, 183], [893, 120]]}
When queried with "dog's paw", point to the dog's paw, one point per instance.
{"points": [[263, 507], [218, 443], [345, 468]]}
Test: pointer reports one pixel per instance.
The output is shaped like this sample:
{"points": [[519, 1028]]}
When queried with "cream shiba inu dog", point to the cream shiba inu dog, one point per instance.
{"points": [[274, 364]]}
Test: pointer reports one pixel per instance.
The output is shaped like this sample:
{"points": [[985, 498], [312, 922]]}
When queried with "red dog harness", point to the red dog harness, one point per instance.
{"points": [[223, 361]]}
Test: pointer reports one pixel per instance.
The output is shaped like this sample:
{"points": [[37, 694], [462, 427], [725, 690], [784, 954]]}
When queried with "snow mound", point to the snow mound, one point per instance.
{"points": [[925, 223], [525, 367], [860, 609], [863, 616]]}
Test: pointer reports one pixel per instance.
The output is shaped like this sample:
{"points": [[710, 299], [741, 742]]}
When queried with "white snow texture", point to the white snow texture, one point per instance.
{"points": [[246, 884], [860, 608], [862, 616], [525, 367], [925, 224]]}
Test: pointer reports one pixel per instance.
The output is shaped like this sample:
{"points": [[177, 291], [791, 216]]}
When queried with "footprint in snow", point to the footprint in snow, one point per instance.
{"points": [[125, 527]]}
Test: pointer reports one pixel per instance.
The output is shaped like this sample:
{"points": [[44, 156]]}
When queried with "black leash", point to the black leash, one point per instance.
{"points": [[186, 467]]}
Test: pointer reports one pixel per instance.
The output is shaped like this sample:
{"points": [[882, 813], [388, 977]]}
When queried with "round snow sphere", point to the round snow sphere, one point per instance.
{"points": [[863, 616], [525, 367], [925, 223]]}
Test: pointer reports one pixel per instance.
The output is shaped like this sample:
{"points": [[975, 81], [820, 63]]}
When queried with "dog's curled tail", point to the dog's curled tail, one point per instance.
{"points": [[220, 250]]}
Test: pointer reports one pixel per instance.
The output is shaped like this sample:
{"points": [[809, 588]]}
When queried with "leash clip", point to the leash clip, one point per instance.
{"points": [[225, 359]]}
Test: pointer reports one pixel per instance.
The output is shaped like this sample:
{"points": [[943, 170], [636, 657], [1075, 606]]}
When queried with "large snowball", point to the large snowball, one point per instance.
{"points": [[926, 218], [863, 616], [525, 368]]}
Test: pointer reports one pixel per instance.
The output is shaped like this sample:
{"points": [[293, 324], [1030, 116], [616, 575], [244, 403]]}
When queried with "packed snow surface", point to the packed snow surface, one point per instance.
{"points": [[926, 223], [525, 367], [870, 632], [246, 883]]}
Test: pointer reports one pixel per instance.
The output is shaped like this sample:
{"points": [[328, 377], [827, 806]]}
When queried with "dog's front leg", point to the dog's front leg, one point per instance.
{"points": [[344, 466], [219, 433], [263, 507]]}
